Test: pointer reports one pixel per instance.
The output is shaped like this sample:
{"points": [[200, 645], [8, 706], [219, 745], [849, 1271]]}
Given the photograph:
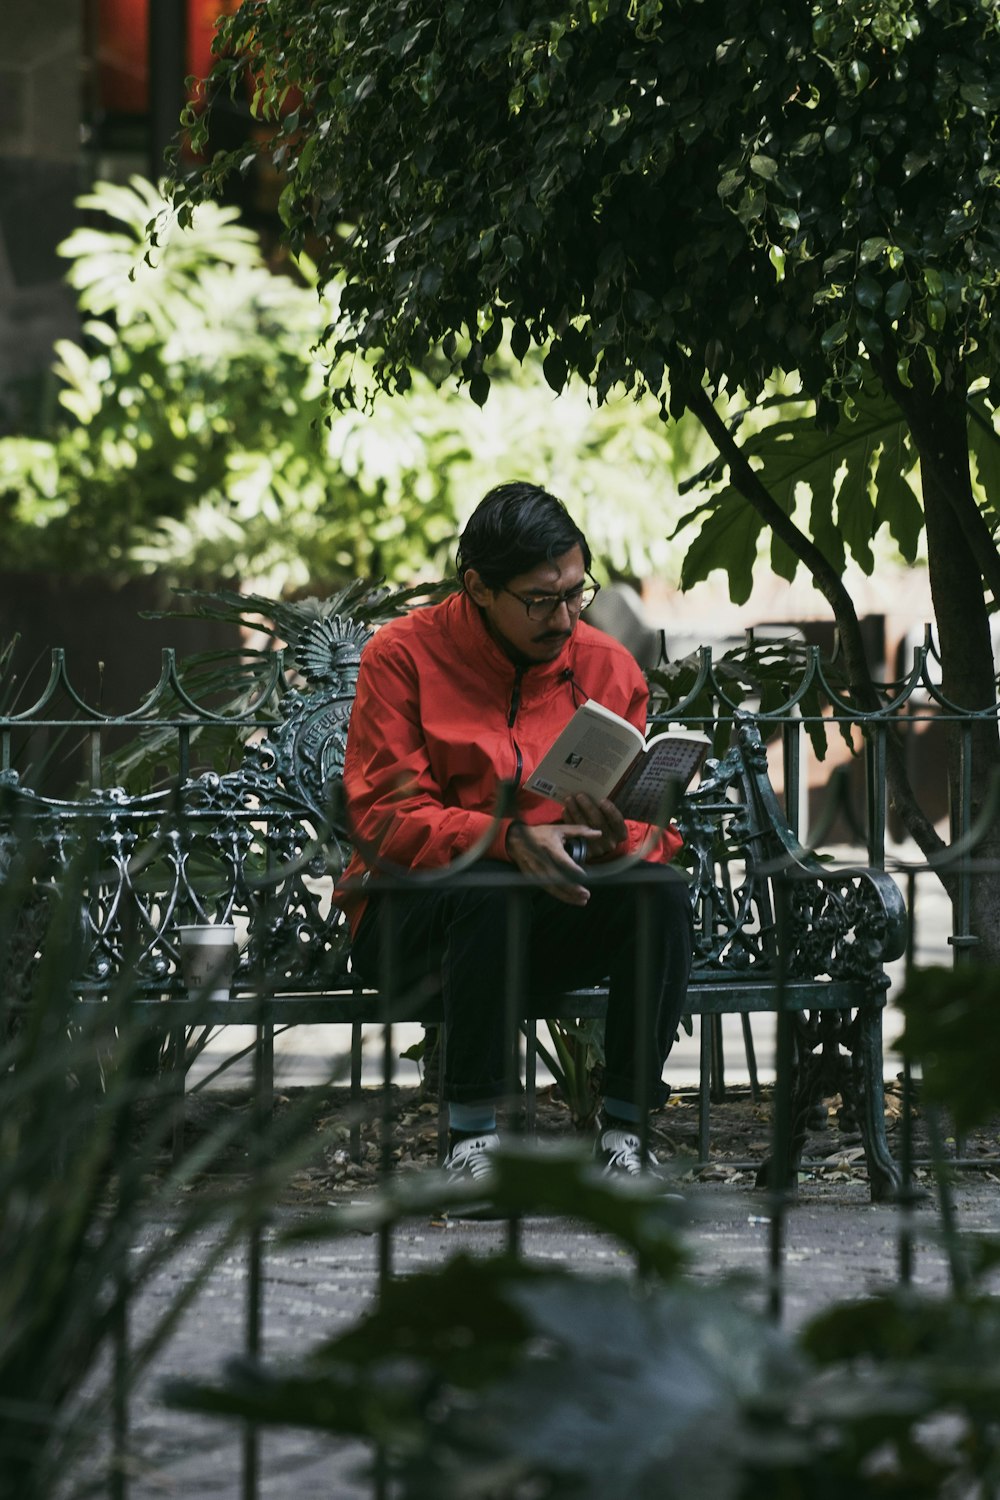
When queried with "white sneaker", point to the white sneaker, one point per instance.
{"points": [[619, 1152], [468, 1159]]}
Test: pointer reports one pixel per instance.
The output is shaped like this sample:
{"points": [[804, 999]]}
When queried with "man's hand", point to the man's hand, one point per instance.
{"points": [[603, 816], [540, 849]]}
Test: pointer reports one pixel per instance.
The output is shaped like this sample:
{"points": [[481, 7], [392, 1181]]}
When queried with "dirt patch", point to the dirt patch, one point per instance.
{"points": [[350, 1146]]}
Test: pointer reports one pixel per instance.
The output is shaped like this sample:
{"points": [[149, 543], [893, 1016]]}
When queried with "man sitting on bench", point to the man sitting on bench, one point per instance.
{"points": [[452, 699]]}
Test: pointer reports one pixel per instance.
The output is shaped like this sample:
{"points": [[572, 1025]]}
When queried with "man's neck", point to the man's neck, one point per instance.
{"points": [[511, 652]]}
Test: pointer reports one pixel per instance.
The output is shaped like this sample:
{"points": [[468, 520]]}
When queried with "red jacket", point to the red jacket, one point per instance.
{"points": [[442, 714]]}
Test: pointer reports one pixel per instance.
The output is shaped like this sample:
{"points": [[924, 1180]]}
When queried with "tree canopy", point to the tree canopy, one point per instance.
{"points": [[686, 198], [664, 194], [731, 190]]}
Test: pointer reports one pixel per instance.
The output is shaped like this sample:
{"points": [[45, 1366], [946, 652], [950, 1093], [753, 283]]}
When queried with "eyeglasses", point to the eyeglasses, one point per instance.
{"points": [[543, 606]]}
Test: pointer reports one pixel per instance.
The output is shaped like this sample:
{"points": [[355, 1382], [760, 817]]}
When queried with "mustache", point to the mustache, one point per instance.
{"points": [[553, 635]]}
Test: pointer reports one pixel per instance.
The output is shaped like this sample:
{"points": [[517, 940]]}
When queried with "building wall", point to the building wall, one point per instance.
{"points": [[40, 175]]}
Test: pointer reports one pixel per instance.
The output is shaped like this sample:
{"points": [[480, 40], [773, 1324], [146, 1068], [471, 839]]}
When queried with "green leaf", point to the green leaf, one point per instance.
{"points": [[493, 335], [897, 299], [764, 166], [479, 388], [984, 444], [868, 292], [837, 468], [728, 541], [914, 162], [936, 313], [872, 249], [286, 203], [896, 504], [554, 369], [520, 341], [834, 336]]}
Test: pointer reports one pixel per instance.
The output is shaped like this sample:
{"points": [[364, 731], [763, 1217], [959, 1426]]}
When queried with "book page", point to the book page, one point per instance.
{"points": [[590, 755], [669, 762]]}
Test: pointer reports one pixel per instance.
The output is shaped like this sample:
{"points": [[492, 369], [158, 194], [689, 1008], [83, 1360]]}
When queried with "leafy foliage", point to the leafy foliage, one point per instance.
{"points": [[515, 174], [511, 177], [85, 1163], [950, 1029], [577, 1050], [195, 437], [196, 443], [489, 1376], [767, 676], [242, 687], [484, 1378], [857, 476]]}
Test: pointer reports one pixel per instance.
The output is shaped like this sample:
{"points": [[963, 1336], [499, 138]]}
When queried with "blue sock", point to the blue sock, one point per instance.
{"points": [[478, 1118], [623, 1110]]}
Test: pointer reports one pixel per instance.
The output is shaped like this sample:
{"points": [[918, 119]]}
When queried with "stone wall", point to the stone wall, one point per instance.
{"points": [[41, 49]]}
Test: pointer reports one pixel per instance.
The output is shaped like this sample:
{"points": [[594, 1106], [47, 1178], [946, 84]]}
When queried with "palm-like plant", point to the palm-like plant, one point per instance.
{"points": [[88, 1157]]}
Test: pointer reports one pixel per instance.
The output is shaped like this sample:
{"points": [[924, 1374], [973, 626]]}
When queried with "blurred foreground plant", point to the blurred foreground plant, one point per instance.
{"points": [[94, 1202], [951, 1031], [492, 1377]]}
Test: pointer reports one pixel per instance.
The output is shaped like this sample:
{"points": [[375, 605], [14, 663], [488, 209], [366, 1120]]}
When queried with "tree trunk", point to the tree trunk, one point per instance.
{"points": [[958, 566], [963, 562]]}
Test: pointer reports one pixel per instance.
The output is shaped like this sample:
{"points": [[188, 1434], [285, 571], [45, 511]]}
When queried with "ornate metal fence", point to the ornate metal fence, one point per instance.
{"points": [[60, 740]]}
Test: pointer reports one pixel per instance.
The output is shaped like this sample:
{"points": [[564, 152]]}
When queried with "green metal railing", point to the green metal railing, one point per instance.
{"points": [[854, 812]]}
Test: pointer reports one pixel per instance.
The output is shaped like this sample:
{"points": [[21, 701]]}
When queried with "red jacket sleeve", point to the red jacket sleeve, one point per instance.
{"points": [[393, 803]]}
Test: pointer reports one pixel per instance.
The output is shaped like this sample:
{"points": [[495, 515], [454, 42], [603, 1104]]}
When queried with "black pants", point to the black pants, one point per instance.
{"points": [[464, 936]]}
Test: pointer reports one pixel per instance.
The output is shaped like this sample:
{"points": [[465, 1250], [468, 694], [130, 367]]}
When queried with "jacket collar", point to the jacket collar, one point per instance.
{"points": [[475, 641]]}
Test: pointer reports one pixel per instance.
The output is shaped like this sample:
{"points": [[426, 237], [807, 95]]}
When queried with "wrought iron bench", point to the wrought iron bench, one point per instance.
{"points": [[776, 930]]}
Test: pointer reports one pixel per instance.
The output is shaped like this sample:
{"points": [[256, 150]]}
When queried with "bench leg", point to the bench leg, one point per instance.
{"points": [[355, 1108], [808, 1061], [867, 1085], [822, 1068], [751, 1056], [705, 1088], [718, 1074]]}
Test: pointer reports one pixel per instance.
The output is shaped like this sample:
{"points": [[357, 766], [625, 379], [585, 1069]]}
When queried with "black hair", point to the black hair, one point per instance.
{"points": [[515, 527]]}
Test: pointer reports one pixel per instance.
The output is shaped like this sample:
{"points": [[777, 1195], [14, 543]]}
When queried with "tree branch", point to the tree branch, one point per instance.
{"points": [[831, 585]]}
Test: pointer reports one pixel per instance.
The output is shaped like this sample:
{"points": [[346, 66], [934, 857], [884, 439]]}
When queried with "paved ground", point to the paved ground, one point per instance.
{"points": [[836, 1246]]}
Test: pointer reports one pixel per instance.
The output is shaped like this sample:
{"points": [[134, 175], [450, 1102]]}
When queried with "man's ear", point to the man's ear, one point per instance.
{"points": [[477, 590]]}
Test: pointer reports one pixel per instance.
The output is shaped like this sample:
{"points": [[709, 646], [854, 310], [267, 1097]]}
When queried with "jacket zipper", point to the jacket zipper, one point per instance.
{"points": [[515, 703]]}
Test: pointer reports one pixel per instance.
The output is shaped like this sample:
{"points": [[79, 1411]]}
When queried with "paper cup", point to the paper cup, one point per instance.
{"points": [[208, 959]]}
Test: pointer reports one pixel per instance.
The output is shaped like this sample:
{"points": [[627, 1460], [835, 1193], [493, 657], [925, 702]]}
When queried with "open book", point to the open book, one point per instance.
{"points": [[602, 754]]}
